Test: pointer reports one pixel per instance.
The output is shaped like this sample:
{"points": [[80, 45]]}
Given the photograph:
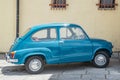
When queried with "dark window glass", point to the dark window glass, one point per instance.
{"points": [[107, 3]]}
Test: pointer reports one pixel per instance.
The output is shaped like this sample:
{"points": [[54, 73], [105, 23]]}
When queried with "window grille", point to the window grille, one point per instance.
{"points": [[107, 4], [58, 4]]}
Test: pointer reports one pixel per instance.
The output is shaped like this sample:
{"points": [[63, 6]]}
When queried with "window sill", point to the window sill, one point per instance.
{"points": [[106, 8], [58, 5]]}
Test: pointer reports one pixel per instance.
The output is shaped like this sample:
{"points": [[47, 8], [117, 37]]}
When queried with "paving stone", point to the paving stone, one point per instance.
{"points": [[98, 79], [52, 77], [13, 77], [91, 76], [114, 72], [51, 72], [113, 77], [37, 77], [74, 72], [97, 71], [69, 77]]}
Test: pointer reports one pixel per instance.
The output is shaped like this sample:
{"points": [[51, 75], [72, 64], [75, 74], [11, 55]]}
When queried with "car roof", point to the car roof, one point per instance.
{"points": [[53, 25]]}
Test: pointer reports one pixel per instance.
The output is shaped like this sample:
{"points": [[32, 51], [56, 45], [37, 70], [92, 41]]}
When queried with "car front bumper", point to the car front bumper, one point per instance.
{"points": [[8, 59]]}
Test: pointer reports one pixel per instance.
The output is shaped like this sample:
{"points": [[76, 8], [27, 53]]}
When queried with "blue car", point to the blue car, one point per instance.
{"points": [[58, 43]]}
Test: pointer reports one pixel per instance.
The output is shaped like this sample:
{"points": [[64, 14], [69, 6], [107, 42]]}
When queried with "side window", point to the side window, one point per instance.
{"points": [[53, 33], [73, 33], [45, 34], [65, 33]]}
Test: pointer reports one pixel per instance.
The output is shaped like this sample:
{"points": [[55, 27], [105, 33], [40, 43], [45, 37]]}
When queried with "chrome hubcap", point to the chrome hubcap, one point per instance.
{"points": [[35, 65], [100, 60]]}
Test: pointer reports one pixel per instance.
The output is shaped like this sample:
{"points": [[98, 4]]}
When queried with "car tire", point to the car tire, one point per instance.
{"points": [[101, 59], [34, 65]]}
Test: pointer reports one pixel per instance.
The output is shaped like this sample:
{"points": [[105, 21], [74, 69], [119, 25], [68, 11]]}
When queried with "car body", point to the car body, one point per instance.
{"points": [[58, 43]]}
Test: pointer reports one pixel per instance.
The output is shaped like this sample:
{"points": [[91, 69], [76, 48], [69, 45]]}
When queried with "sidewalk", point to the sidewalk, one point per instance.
{"points": [[76, 71]]}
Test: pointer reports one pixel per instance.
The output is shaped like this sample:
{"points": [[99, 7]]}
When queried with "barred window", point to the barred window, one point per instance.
{"points": [[58, 4], [107, 4]]}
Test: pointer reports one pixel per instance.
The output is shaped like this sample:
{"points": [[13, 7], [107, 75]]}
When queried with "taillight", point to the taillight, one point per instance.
{"points": [[12, 54]]}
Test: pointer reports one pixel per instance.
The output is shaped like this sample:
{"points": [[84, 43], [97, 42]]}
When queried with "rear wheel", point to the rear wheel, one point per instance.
{"points": [[101, 59], [34, 65]]}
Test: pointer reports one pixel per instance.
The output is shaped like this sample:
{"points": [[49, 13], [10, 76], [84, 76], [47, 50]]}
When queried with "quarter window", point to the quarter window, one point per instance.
{"points": [[45, 34]]}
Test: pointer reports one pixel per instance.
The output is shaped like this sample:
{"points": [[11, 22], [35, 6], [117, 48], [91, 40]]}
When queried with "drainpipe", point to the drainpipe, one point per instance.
{"points": [[17, 18]]}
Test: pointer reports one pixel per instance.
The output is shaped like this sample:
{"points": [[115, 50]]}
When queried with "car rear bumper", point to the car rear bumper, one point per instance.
{"points": [[8, 59]]}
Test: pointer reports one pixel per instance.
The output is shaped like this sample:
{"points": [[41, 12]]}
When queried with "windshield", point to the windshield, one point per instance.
{"points": [[26, 31]]}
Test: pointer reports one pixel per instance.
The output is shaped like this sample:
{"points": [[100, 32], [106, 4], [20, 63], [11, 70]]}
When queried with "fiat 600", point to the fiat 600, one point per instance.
{"points": [[58, 43]]}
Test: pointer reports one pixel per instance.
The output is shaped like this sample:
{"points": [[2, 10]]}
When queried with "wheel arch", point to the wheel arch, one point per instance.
{"points": [[39, 55], [103, 49]]}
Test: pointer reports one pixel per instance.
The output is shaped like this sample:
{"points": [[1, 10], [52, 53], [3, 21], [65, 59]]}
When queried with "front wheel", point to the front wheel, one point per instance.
{"points": [[101, 59], [34, 65]]}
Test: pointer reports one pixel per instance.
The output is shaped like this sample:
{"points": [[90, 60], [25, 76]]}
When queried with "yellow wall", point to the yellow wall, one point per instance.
{"points": [[103, 24], [97, 23], [7, 24]]}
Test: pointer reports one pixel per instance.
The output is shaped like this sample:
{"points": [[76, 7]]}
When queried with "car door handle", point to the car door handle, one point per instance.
{"points": [[61, 42]]}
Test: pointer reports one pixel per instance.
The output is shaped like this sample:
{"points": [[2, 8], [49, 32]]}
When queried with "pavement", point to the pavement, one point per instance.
{"points": [[74, 71]]}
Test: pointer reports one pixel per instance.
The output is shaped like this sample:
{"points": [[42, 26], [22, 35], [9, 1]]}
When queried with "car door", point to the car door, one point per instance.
{"points": [[47, 38], [74, 45]]}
